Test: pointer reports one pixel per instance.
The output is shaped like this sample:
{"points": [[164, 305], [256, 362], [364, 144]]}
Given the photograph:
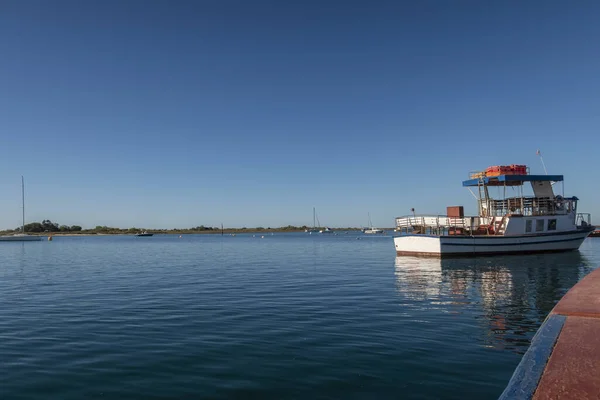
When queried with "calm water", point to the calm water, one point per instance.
{"points": [[285, 316]]}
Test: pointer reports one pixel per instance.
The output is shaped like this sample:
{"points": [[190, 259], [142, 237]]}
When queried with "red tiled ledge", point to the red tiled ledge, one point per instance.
{"points": [[563, 360]]}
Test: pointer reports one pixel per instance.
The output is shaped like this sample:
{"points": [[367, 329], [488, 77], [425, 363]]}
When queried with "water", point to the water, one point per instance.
{"points": [[284, 316]]}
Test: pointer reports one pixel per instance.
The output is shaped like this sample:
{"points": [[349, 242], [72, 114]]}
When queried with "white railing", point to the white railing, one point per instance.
{"points": [[530, 206], [583, 219], [435, 224]]}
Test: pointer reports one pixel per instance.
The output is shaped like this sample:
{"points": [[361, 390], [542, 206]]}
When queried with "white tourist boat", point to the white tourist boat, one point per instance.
{"points": [[520, 224], [21, 237]]}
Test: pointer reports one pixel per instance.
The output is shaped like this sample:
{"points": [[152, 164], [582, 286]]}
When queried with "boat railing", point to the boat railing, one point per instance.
{"points": [[583, 219], [532, 206], [435, 224]]}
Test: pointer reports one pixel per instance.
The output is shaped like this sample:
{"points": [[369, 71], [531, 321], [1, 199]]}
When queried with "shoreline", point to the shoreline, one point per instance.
{"points": [[163, 232]]}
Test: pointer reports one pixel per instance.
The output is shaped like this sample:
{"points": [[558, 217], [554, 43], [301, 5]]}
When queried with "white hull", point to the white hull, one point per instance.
{"points": [[372, 231], [469, 246], [20, 238]]}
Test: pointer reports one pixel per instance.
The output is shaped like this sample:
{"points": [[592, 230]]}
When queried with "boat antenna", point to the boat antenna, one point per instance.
{"points": [[539, 153]]}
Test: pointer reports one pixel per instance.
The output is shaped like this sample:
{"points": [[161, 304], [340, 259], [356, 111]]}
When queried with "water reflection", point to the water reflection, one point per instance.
{"points": [[508, 297]]}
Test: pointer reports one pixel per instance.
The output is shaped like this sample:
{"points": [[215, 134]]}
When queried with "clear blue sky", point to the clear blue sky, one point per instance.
{"points": [[182, 113]]}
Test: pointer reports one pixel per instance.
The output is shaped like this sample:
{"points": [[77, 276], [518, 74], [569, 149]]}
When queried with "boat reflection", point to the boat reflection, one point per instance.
{"points": [[506, 297]]}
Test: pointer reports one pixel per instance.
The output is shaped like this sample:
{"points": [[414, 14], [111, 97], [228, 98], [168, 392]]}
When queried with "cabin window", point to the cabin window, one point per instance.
{"points": [[539, 225], [528, 224], [551, 224]]}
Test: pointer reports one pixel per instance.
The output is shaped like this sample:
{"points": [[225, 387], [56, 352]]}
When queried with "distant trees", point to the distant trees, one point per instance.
{"points": [[106, 229], [49, 226], [203, 228], [33, 227]]}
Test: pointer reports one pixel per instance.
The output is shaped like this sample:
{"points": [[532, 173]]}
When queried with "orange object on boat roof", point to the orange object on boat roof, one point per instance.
{"points": [[513, 169], [477, 175], [492, 171]]}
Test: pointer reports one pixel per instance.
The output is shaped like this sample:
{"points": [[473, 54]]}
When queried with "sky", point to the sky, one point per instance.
{"points": [[163, 114]]}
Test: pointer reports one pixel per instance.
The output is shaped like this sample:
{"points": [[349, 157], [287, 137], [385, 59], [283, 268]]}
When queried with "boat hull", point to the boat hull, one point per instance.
{"points": [[484, 245], [20, 238]]}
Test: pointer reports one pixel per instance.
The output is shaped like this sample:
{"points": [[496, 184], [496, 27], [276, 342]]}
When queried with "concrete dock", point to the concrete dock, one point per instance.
{"points": [[563, 360]]}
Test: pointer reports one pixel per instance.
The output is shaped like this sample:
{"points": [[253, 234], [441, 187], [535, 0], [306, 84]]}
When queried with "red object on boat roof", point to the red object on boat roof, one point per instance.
{"points": [[493, 171], [519, 169], [513, 169]]}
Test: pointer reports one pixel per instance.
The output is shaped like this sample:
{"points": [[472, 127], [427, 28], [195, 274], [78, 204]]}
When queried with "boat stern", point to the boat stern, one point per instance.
{"points": [[418, 245]]}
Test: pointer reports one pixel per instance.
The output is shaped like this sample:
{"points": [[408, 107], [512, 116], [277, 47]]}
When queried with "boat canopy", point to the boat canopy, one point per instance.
{"points": [[511, 180]]}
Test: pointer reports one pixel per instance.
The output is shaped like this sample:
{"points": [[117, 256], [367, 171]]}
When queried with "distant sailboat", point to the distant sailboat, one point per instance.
{"points": [[325, 230], [371, 229], [21, 237], [314, 227]]}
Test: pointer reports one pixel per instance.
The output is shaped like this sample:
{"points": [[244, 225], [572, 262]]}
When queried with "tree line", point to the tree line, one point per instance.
{"points": [[53, 227], [49, 226]]}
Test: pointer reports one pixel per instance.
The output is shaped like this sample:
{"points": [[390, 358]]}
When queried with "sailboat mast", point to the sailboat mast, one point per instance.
{"points": [[314, 217], [23, 202]]}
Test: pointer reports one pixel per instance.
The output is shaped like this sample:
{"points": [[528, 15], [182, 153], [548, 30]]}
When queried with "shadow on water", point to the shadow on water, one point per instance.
{"points": [[510, 296]]}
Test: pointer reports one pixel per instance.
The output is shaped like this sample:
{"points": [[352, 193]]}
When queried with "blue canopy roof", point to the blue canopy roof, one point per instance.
{"points": [[512, 180]]}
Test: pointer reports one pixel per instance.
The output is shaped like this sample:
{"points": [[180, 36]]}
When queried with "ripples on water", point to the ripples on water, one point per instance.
{"points": [[287, 316]]}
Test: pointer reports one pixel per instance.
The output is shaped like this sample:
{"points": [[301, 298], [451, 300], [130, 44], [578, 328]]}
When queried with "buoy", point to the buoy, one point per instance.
{"points": [[179, 235]]}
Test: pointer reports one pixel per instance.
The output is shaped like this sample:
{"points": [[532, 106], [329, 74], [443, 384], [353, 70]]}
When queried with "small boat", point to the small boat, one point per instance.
{"points": [[371, 230], [326, 230], [523, 224], [21, 237], [314, 229], [144, 234]]}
